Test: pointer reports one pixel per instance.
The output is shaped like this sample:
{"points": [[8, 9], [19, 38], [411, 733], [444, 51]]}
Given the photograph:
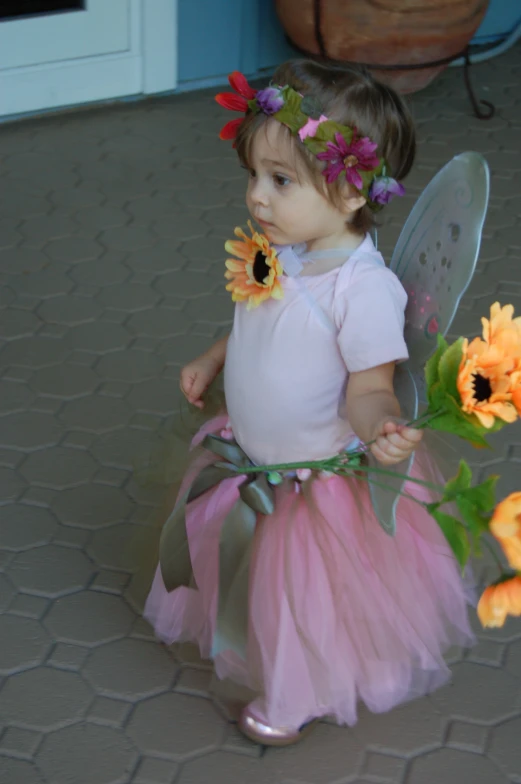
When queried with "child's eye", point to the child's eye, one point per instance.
{"points": [[281, 180]]}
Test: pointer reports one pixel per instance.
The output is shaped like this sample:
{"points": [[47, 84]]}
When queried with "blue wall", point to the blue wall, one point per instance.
{"points": [[219, 36], [501, 17]]}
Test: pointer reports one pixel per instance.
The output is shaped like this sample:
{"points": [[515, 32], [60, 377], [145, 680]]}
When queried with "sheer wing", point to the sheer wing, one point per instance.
{"points": [[435, 258]]}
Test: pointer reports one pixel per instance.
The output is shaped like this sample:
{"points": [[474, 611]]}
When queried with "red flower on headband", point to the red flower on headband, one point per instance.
{"points": [[236, 102]]}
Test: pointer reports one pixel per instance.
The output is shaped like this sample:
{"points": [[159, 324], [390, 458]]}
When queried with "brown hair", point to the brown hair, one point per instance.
{"points": [[350, 95]]}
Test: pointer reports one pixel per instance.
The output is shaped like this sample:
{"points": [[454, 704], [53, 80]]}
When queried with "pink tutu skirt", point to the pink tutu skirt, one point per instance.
{"points": [[339, 612]]}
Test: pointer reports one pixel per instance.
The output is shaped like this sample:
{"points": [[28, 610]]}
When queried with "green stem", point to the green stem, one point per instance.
{"points": [[405, 477], [331, 466]]}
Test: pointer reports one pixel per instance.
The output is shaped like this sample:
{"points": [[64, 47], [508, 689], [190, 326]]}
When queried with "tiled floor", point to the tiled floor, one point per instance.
{"points": [[111, 227]]}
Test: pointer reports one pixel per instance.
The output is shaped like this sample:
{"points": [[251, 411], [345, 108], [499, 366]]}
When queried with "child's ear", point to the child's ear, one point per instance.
{"points": [[352, 201]]}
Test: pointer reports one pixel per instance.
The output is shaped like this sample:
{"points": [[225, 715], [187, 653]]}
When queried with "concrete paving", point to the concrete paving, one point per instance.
{"points": [[112, 224]]}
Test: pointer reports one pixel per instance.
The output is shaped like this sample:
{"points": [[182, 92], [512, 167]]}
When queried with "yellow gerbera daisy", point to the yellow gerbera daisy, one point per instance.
{"points": [[255, 274]]}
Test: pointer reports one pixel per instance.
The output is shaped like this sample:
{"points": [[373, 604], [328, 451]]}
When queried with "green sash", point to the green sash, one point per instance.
{"points": [[235, 544]]}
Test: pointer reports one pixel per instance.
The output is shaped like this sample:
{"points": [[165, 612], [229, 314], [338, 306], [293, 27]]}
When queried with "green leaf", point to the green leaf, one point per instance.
{"points": [[449, 368], [432, 366], [455, 534], [483, 496], [450, 423], [311, 107], [458, 483], [477, 523], [326, 132], [436, 397]]}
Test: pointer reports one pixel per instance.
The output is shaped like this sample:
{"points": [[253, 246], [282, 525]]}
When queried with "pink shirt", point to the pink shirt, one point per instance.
{"points": [[288, 361]]}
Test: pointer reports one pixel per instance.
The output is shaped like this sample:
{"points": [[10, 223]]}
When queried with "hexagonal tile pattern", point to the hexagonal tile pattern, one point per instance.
{"points": [[64, 381], [13, 770], [92, 506], [496, 696], [130, 668], [462, 765], [86, 753], [59, 468], [96, 414], [98, 337], [129, 297], [11, 484], [7, 592], [189, 724], [49, 281], [18, 323], [89, 618], [505, 748], [24, 643], [130, 366], [111, 273], [119, 448], [29, 430], [44, 698], [14, 397], [33, 352], [50, 570], [69, 310], [26, 526]]}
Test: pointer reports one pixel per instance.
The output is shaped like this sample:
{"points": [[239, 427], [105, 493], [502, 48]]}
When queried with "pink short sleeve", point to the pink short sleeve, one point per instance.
{"points": [[370, 313]]}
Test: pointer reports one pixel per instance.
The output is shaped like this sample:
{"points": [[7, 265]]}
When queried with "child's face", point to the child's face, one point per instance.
{"points": [[285, 203]]}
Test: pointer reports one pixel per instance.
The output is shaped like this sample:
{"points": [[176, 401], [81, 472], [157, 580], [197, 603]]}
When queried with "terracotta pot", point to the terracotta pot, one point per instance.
{"points": [[384, 32]]}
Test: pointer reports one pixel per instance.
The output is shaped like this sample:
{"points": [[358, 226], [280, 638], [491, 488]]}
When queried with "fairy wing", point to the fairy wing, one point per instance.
{"points": [[434, 258]]}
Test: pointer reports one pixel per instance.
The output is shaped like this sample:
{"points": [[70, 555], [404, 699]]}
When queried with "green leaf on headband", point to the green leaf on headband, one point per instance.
{"points": [[311, 107], [290, 114], [327, 129]]}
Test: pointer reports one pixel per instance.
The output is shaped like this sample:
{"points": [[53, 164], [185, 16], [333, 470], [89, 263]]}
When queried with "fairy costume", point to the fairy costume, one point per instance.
{"points": [[337, 610]]}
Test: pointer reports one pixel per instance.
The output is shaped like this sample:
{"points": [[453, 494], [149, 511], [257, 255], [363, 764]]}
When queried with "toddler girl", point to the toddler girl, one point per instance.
{"points": [[338, 611]]}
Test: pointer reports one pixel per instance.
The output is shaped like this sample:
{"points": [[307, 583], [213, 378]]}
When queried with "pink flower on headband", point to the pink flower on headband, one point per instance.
{"points": [[310, 128], [349, 158]]}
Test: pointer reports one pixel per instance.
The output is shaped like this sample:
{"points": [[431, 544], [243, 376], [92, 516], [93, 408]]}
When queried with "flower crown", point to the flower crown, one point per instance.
{"points": [[339, 145]]}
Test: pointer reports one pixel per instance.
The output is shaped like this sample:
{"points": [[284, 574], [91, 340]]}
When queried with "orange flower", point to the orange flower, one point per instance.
{"points": [[483, 383], [500, 600], [254, 274], [503, 330], [505, 525]]}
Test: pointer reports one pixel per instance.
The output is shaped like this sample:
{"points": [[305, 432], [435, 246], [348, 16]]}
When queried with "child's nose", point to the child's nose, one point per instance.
{"points": [[258, 194]]}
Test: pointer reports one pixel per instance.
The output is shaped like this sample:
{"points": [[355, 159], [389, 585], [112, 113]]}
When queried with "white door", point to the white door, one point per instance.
{"points": [[91, 51]]}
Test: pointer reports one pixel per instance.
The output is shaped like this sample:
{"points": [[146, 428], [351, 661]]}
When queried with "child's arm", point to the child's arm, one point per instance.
{"points": [[197, 376], [374, 413]]}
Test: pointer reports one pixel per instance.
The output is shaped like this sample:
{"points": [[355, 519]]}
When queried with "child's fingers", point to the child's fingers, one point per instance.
{"points": [[401, 441], [192, 387], [388, 448], [382, 455], [411, 434]]}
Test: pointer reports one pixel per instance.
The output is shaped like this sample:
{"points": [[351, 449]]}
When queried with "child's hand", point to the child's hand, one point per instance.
{"points": [[196, 377], [394, 441]]}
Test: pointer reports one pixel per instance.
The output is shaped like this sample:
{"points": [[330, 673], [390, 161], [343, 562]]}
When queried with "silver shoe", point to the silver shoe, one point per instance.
{"points": [[259, 732]]}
